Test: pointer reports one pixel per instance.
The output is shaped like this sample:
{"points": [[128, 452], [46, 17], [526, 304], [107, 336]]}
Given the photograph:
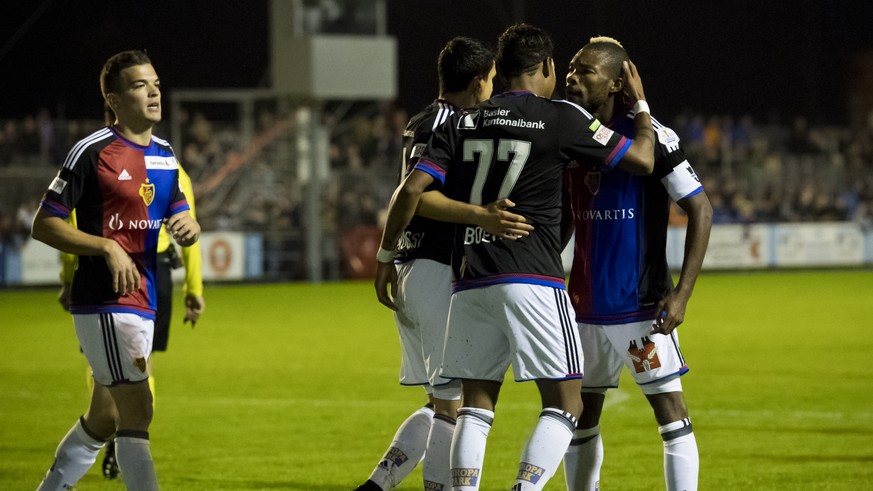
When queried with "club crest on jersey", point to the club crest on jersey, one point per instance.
{"points": [[140, 363], [592, 180], [469, 119], [147, 191], [644, 355]]}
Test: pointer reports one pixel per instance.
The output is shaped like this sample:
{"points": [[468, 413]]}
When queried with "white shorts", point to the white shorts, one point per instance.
{"points": [[529, 326], [117, 346], [423, 296], [651, 358]]}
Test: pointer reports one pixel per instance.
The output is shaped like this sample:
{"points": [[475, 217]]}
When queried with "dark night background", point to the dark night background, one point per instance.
{"points": [[771, 59]]}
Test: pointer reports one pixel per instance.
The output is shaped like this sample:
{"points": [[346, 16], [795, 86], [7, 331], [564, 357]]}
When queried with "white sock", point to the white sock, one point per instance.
{"points": [[681, 461], [583, 460], [468, 447], [545, 448], [134, 456], [76, 454], [435, 469], [406, 450]]}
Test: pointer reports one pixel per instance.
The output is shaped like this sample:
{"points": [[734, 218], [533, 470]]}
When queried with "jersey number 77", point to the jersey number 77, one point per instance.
{"points": [[482, 152]]}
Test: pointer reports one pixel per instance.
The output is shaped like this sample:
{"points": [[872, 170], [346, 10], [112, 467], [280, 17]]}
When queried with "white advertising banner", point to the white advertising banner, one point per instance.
{"points": [[223, 255], [40, 264], [730, 246], [818, 244]]}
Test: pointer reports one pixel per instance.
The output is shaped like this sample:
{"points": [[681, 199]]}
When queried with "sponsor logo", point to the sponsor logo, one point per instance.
{"points": [[147, 191], [516, 123], [644, 355], [592, 181], [477, 235], [395, 456], [165, 163], [433, 486], [602, 135], [530, 473], [117, 223], [140, 363], [58, 185], [465, 477], [602, 215], [124, 176], [469, 119]]}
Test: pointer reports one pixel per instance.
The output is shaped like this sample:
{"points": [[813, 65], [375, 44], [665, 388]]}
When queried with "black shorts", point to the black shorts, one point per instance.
{"points": [[165, 302]]}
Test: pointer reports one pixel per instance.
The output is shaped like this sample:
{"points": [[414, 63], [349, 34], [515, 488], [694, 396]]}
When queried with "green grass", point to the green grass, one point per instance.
{"points": [[295, 387]]}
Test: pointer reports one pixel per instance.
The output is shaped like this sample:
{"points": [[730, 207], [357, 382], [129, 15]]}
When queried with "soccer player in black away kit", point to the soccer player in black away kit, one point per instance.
{"points": [[509, 302]]}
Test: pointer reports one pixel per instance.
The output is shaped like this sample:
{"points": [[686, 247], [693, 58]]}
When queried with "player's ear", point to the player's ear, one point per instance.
{"points": [[112, 101], [617, 85]]}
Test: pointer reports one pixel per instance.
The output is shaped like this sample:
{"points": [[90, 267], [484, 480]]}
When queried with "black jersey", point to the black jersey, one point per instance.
{"points": [[515, 145], [424, 238]]}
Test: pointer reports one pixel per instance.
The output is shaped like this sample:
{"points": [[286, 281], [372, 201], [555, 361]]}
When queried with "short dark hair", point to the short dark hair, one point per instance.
{"points": [[462, 60], [110, 76], [521, 48], [612, 52]]}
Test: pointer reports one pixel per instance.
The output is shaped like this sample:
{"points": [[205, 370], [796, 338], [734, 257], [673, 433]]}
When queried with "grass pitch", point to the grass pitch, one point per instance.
{"points": [[295, 387]]}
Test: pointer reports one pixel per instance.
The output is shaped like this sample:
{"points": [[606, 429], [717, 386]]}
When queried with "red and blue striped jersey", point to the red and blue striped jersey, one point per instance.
{"points": [[122, 191], [620, 270]]}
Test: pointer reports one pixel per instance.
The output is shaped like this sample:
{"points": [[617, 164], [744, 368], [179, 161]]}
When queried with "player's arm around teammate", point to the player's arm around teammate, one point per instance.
{"points": [[407, 199]]}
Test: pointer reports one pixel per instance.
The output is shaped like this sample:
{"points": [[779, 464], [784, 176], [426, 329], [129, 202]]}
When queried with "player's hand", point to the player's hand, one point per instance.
{"points": [[64, 296], [671, 313], [184, 229], [386, 274], [499, 222], [194, 307], [125, 276], [633, 85]]}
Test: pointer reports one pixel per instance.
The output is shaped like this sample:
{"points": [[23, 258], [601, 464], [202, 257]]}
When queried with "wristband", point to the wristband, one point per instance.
{"points": [[385, 256], [641, 107]]}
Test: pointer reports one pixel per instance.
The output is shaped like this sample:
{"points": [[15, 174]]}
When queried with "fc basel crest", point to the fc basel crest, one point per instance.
{"points": [[592, 180], [147, 191]]}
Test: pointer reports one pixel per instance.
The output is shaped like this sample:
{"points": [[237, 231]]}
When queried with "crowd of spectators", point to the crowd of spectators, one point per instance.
{"points": [[752, 172]]}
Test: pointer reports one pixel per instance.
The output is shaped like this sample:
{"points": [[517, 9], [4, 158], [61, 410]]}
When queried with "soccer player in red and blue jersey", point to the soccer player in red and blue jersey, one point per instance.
{"points": [[509, 302], [123, 183], [620, 284]]}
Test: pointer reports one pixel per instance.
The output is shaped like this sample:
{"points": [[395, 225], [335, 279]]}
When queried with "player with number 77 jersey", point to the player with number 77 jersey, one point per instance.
{"points": [[509, 301]]}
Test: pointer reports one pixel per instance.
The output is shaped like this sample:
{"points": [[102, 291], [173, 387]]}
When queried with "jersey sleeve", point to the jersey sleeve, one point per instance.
{"points": [[585, 137], [672, 166], [437, 157], [67, 187], [178, 202]]}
